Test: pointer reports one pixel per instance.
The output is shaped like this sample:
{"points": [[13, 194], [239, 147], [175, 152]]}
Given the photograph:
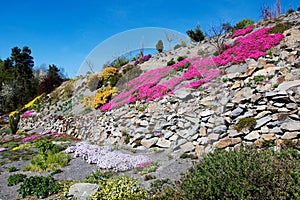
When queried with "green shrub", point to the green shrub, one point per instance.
{"points": [[121, 187], [180, 58], [280, 28], [39, 186], [246, 173], [259, 78], [46, 147], [196, 35], [15, 179], [243, 123], [41, 163], [243, 24], [171, 62], [12, 169], [289, 11]]}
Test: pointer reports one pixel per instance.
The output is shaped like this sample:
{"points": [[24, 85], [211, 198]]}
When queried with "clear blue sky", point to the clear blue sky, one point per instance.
{"points": [[64, 32]]}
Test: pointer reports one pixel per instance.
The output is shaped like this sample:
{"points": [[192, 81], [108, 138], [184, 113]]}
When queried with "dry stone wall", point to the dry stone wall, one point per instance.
{"points": [[198, 121]]}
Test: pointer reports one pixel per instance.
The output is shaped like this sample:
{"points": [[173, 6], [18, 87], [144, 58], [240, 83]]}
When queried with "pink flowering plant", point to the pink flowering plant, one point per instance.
{"points": [[29, 113], [194, 72], [242, 32], [146, 167]]}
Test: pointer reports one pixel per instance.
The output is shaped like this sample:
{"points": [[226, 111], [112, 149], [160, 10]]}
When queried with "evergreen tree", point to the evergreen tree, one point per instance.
{"points": [[160, 46]]}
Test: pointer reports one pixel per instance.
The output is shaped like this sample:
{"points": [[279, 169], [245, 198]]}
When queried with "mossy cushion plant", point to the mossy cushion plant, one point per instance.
{"points": [[247, 173]]}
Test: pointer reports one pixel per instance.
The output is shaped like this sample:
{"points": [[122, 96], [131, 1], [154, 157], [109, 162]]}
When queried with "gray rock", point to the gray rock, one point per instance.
{"points": [[149, 142], [262, 121], [236, 69], [273, 94], [234, 133], [291, 126], [183, 94], [213, 136], [187, 147], [236, 112], [207, 113], [202, 140], [290, 135], [220, 129], [276, 130], [287, 85], [162, 142], [82, 191], [254, 135]]}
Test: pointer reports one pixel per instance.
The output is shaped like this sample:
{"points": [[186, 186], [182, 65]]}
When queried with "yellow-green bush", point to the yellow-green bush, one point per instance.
{"points": [[121, 187], [103, 96], [34, 102], [108, 72]]}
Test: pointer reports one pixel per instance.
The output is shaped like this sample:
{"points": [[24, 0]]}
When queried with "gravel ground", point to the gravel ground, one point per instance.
{"points": [[170, 166]]}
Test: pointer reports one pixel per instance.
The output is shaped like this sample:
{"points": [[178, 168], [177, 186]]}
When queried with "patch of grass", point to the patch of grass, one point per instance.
{"points": [[188, 155], [245, 123]]}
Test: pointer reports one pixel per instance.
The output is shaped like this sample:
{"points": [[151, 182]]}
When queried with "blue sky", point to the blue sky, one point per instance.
{"points": [[64, 32]]}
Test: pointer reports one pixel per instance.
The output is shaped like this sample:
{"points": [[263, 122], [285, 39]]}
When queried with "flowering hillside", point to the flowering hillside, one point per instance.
{"points": [[193, 72]]}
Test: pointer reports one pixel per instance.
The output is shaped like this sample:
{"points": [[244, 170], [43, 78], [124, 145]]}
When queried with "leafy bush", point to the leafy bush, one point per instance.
{"points": [[289, 11], [12, 169], [247, 122], [50, 162], [15, 179], [180, 58], [119, 62], [171, 62], [39, 186], [298, 9], [247, 173], [47, 147], [243, 24], [196, 35], [121, 187], [280, 28]]}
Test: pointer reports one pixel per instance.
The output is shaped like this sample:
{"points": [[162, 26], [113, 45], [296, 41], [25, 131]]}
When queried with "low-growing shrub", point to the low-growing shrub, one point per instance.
{"points": [[103, 96], [15, 179], [245, 123], [121, 187], [243, 24], [247, 173], [94, 82], [39, 186], [41, 163], [259, 78], [280, 28], [180, 58], [98, 176], [12, 169], [171, 62]]}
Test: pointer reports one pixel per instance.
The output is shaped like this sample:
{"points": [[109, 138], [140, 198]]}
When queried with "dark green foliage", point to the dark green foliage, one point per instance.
{"points": [[298, 9], [13, 122], [119, 62], [196, 35], [171, 62], [15, 179], [245, 123], [186, 155], [160, 46], [243, 24], [39, 186], [180, 58], [280, 28], [46, 147], [290, 11], [246, 173], [177, 46], [259, 78]]}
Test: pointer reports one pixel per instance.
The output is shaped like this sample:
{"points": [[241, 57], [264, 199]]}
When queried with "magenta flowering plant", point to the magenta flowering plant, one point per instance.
{"points": [[26, 139], [242, 32], [29, 113]]}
